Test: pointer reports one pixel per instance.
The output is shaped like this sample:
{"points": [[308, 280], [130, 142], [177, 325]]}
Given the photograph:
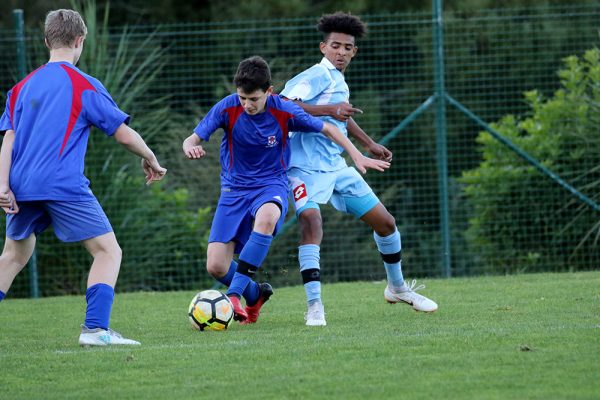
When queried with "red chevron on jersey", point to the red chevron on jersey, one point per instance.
{"points": [[80, 84]]}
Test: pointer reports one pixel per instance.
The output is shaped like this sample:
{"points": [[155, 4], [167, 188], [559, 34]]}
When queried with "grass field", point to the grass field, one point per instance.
{"points": [[516, 337]]}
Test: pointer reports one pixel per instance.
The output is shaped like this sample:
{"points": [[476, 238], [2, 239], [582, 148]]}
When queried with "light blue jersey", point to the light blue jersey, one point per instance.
{"points": [[320, 84]]}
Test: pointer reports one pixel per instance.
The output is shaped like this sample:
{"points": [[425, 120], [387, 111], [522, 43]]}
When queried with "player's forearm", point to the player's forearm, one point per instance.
{"points": [[321, 110], [133, 142], [357, 133], [191, 141], [332, 132], [6, 158]]}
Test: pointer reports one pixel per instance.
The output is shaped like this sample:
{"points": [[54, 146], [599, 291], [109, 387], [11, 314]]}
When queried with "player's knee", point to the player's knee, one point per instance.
{"points": [[310, 220], [387, 225], [265, 226], [12, 261], [111, 250], [117, 253], [215, 269]]}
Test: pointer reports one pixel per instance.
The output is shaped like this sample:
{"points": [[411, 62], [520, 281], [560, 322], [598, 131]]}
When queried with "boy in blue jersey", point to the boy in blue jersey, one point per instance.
{"points": [[254, 185], [46, 125], [318, 179]]}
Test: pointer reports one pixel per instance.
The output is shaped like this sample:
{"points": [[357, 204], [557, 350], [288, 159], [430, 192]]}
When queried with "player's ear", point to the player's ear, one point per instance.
{"points": [[79, 41], [269, 91], [47, 44], [322, 46]]}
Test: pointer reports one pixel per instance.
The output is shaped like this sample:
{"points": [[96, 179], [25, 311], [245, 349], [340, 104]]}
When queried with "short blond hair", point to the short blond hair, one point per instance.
{"points": [[62, 27]]}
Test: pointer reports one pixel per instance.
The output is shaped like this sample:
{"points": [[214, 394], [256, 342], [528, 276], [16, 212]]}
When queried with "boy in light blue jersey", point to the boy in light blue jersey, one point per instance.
{"points": [[46, 125], [254, 185], [318, 173]]}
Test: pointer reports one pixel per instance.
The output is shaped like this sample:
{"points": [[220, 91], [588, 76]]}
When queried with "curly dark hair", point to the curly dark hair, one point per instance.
{"points": [[343, 23], [252, 74]]}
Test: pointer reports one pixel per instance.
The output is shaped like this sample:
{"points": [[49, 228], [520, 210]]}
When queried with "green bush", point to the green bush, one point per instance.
{"points": [[555, 231]]}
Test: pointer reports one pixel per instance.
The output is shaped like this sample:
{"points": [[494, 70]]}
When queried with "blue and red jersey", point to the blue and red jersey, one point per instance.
{"points": [[51, 112], [254, 149]]}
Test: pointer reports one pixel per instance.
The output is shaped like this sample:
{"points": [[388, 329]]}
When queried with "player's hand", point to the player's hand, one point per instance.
{"points": [[380, 152], [8, 201], [343, 111], [193, 152], [363, 163], [153, 171]]}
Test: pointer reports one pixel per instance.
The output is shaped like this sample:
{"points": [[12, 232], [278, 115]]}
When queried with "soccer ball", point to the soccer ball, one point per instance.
{"points": [[210, 309]]}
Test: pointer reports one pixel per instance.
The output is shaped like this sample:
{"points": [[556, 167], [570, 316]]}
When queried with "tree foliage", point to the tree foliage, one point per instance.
{"points": [[173, 11], [562, 133]]}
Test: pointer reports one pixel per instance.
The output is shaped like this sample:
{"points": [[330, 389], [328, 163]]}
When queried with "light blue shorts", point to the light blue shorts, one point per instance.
{"points": [[345, 189], [73, 221]]}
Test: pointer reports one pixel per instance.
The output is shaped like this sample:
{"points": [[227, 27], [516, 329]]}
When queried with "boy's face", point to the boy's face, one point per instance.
{"points": [[254, 103], [339, 49]]}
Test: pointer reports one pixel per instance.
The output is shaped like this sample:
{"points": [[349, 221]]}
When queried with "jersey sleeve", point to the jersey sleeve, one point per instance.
{"points": [[5, 122], [212, 121], [302, 121], [102, 111], [308, 84]]}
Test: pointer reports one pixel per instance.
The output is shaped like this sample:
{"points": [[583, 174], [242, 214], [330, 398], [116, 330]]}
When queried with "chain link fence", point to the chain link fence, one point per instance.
{"points": [[510, 218]]}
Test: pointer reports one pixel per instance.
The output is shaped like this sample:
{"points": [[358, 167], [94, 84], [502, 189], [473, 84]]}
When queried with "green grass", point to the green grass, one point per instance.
{"points": [[516, 337]]}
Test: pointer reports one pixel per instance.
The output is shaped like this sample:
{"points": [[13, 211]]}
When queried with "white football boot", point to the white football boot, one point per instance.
{"points": [[408, 294], [315, 316], [103, 337]]}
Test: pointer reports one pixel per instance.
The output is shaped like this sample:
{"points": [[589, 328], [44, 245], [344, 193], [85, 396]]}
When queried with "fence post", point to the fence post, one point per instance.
{"points": [[20, 42], [440, 127], [34, 288]]}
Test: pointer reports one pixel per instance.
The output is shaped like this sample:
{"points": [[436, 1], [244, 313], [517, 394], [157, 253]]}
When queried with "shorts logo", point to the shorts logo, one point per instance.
{"points": [[271, 141], [299, 192]]}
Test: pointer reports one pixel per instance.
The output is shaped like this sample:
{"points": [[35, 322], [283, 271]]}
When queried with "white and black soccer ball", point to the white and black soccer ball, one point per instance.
{"points": [[210, 310]]}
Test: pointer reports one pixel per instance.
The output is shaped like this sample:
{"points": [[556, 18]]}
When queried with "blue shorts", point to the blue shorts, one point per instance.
{"points": [[73, 221], [345, 189], [236, 210]]}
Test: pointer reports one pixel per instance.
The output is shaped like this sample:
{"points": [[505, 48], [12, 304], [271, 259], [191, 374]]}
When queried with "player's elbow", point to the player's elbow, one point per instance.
{"points": [[329, 130], [124, 135]]}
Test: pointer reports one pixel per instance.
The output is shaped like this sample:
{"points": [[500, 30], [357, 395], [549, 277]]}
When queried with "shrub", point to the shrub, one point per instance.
{"points": [[523, 220]]}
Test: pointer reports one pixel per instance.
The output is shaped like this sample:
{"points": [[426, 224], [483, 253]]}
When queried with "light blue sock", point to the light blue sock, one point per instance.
{"points": [[251, 258], [2, 295], [313, 292], [309, 257], [390, 248], [99, 299]]}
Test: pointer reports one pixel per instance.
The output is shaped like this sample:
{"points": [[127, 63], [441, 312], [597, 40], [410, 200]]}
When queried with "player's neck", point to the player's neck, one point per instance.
{"points": [[62, 55]]}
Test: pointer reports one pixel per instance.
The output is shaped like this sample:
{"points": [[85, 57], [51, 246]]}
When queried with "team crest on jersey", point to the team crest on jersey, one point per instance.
{"points": [[271, 141]]}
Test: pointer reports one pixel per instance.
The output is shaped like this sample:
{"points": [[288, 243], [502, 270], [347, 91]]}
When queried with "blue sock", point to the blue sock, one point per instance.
{"points": [[99, 299], [251, 258], [309, 257], [251, 292], [2, 295], [226, 280], [390, 249]]}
